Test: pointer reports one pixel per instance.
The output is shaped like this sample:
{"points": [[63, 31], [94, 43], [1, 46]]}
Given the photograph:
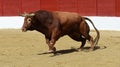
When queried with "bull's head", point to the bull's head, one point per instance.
{"points": [[27, 25]]}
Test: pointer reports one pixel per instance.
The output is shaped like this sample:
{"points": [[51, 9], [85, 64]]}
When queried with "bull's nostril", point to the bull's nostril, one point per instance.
{"points": [[24, 29]]}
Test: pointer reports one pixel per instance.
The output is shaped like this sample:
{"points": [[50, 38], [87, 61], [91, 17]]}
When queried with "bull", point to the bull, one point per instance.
{"points": [[55, 24]]}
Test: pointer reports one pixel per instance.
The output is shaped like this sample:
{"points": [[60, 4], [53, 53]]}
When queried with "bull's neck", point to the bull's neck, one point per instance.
{"points": [[42, 29]]}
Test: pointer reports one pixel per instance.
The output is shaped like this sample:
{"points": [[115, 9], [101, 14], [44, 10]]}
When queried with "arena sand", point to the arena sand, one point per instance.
{"points": [[18, 49]]}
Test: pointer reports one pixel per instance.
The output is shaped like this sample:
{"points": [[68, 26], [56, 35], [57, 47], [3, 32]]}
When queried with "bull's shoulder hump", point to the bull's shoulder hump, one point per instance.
{"points": [[66, 14]]}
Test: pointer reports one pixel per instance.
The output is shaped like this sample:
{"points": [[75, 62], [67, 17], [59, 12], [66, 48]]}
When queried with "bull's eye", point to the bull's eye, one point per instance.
{"points": [[29, 20]]}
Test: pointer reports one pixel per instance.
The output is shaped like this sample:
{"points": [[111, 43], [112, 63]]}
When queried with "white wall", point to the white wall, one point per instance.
{"points": [[102, 23], [11, 22], [106, 23]]}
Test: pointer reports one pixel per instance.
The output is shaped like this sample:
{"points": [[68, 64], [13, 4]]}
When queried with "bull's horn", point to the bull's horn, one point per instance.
{"points": [[23, 15], [20, 14], [32, 14], [26, 14]]}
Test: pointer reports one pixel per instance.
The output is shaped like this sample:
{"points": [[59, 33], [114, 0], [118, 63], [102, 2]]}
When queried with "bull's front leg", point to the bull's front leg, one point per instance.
{"points": [[51, 46], [54, 37], [50, 42], [47, 42]]}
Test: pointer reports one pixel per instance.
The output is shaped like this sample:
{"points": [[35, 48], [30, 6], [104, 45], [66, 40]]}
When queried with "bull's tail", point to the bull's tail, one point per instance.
{"points": [[98, 33]]}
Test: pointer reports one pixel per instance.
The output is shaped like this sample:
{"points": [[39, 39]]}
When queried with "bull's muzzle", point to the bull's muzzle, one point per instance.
{"points": [[24, 29]]}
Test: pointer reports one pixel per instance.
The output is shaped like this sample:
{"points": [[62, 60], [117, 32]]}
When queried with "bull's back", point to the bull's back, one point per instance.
{"points": [[67, 16]]}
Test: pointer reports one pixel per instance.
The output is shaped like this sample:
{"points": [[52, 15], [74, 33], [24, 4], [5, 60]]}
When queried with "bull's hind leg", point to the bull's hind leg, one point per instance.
{"points": [[78, 37], [92, 43], [88, 37], [83, 41], [84, 30]]}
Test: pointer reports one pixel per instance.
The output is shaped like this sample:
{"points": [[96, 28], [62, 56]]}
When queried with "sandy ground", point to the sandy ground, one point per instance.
{"points": [[18, 49]]}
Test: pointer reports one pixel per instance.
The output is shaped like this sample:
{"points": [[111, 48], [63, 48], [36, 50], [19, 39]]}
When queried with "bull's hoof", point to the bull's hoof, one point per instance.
{"points": [[50, 51], [54, 49], [91, 49], [80, 49]]}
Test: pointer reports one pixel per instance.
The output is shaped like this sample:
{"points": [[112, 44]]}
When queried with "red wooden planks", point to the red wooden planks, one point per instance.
{"points": [[106, 7], [87, 7], [51, 5]]}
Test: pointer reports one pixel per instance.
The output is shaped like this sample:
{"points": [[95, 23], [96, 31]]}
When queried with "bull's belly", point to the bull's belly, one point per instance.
{"points": [[68, 32], [73, 35]]}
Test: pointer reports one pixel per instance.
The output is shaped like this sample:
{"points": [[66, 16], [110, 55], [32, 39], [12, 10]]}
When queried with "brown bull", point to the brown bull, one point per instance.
{"points": [[57, 24]]}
